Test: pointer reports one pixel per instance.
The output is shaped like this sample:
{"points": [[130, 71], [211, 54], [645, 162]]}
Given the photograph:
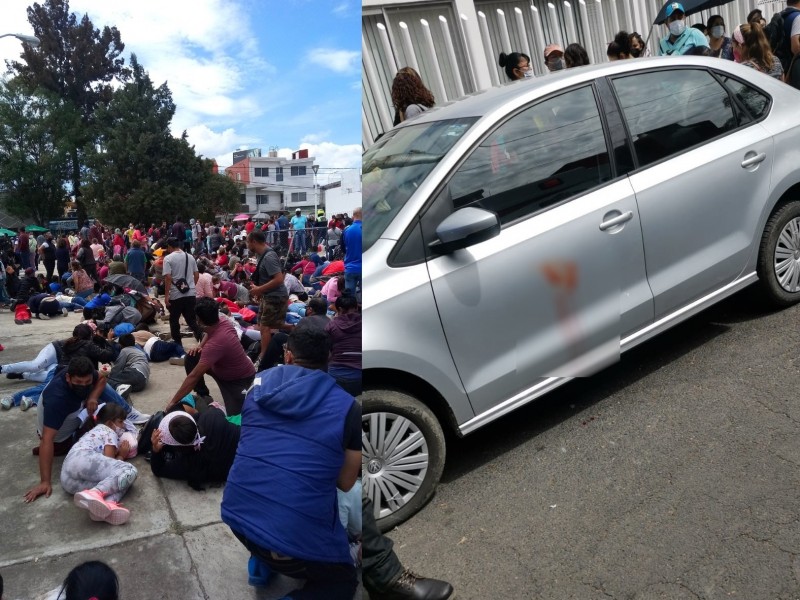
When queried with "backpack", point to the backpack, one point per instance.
{"points": [[120, 314], [779, 33]]}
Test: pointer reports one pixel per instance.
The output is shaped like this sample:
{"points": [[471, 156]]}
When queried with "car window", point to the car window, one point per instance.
{"points": [[669, 111], [397, 164], [755, 101], [546, 153]]}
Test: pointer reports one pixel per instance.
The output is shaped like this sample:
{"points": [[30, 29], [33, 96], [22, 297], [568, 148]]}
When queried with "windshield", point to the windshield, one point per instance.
{"points": [[396, 165]]}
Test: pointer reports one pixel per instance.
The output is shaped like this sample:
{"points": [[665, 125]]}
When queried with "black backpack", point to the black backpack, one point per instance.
{"points": [[779, 34]]}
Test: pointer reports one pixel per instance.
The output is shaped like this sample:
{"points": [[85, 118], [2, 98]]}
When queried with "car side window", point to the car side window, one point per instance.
{"points": [[670, 111], [539, 157], [754, 101]]}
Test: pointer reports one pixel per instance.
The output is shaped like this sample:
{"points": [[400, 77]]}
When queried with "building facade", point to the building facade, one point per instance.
{"points": [[273, 183], [455, 44]]}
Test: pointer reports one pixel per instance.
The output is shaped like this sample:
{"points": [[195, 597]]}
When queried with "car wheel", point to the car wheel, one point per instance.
{"points": [[403, 451], [779, 256]]}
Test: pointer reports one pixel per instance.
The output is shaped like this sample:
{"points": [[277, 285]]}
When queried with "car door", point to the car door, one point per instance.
{"points": [[703, 175], [551, 295]]}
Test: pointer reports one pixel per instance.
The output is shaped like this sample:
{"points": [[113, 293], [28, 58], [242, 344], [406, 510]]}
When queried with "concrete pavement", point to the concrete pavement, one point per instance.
{"points": [[174, 547]]}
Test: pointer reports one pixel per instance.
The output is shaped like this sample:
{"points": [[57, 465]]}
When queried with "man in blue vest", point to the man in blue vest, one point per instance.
{"points": [[300, 441]]}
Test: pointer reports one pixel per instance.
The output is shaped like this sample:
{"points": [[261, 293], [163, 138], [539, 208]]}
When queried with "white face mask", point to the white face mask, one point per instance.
{"points": [[677, 27], [528, 74], [717, 31]]}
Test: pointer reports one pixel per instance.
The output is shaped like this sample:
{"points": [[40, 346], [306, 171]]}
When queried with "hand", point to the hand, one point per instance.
{"points": [[91, 406], [155, 439], [35, 492], [125, 447], [194, 351], [166, 301]]}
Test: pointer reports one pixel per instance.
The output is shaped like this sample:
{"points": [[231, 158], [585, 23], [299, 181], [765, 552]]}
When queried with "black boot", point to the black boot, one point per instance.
{"points": [[411, 586]]}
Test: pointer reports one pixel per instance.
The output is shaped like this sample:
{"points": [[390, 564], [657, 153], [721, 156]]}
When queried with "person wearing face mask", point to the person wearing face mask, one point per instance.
{"points": [[95, 471], [72, 389], [637, 46], [721, 45], [752, 50], [517, 65], [554, 58], [680, 38]]}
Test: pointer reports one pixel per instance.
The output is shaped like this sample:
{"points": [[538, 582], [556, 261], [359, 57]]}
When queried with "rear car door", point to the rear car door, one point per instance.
{"points": [[565, 278], [703, 174]]}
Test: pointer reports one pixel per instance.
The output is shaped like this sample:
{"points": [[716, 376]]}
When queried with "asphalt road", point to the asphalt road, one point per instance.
{"points": [[673, 474]]}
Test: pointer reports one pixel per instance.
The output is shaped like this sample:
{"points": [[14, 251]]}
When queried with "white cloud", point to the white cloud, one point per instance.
{"points": [[341, 61], [330, 155], [341, 8]]}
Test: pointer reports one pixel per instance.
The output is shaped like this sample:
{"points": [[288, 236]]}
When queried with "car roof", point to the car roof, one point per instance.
{"points": [[484, 102]]}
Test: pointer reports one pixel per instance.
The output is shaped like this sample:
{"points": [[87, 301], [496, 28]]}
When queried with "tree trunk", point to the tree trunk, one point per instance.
{"points": [[76, 188]]}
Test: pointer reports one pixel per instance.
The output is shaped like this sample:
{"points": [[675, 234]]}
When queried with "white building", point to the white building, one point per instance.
{"points": [[455, 44], [273, 183]]}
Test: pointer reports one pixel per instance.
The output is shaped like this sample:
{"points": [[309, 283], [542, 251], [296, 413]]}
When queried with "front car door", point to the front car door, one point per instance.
{"points": [[565, 278]]}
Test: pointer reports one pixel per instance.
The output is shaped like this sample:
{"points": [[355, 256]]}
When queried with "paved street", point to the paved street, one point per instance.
{"points": [[671, 475]]}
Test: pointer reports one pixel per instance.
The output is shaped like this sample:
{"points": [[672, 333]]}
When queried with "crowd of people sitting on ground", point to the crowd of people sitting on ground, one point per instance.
{"points": [[278, 331]]}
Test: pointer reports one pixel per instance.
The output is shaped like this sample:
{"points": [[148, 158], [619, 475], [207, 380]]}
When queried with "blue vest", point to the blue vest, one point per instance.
{"points": [[281, 490]]}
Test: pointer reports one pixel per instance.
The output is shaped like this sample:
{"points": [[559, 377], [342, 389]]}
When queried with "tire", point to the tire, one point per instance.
{"points": [[400, 421], [779, 256]]}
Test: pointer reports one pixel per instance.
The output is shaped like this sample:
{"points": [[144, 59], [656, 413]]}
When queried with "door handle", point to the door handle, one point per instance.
{"points": [[619, 220], [753, 160]]}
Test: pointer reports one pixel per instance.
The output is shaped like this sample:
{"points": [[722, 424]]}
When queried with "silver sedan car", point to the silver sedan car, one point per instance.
{"points": [[528, 235]]}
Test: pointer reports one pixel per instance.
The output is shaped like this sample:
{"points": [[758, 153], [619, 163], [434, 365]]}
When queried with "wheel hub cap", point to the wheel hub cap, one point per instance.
{"points": [[787, 257], [374, 467]]}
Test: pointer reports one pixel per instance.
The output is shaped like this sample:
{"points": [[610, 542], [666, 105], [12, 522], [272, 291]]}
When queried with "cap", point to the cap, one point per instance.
{"points": [[552, 48], [672, 7], [29, 271], [298, 210], [321, 212]]}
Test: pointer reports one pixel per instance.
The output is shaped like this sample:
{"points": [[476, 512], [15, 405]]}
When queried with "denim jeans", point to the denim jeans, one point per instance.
{"points": [[352, 284], [161, 351], [380, 565]]}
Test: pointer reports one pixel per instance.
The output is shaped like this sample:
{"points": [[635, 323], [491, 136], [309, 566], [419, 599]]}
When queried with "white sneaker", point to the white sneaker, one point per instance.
{"points": [[65, 311], [136, 417], [6, 402], [26, 403], [122, 390], [177, 361]]}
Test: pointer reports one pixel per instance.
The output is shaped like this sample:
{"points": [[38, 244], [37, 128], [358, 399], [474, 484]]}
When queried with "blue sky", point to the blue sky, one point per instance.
{"points": [[243, 73]]}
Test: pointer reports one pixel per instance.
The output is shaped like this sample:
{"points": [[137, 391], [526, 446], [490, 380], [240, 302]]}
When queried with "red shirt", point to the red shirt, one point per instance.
{"points": [[249, 226]]}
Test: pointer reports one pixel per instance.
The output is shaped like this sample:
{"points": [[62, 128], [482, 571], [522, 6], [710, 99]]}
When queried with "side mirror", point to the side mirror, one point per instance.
{"points": [[465, 227]]}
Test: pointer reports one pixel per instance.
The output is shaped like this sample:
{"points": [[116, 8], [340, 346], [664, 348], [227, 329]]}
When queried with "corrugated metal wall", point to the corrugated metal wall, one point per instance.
{"points": [[432, 37]]}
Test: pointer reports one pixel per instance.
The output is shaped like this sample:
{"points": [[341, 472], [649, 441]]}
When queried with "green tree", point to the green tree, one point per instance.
{"points": [[140, 172], [34, 158], [218, 195], [78, 63]]}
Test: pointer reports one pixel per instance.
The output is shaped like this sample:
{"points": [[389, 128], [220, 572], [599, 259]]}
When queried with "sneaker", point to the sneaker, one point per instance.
{"points": [[178, 361], [100, 509], [41, 317], [19, 321], [410, 586], [124, 390], [6, 402], [13, 375], [136, 417], [165, 336], [28, 321], [64, 311], [258, 573], [26, 403]]}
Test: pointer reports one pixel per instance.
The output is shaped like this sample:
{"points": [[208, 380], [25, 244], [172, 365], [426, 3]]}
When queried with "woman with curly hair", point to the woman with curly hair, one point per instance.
{"points": [[751, 47], [410, 97]]}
